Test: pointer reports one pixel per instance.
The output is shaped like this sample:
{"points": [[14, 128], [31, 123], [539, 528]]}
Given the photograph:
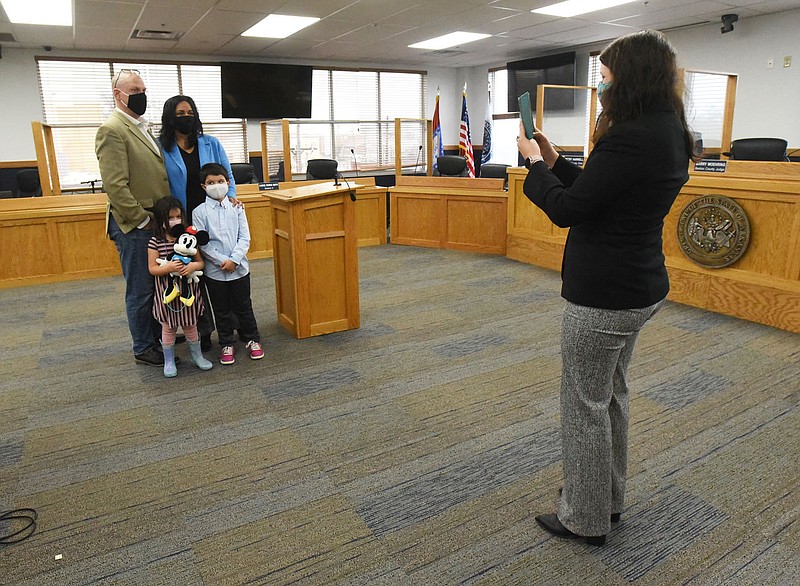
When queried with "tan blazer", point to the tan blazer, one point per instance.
{"points": [[132, 170]]}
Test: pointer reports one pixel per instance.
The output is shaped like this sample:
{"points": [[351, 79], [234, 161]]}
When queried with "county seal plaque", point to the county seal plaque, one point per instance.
{"points": [[713, 231]]}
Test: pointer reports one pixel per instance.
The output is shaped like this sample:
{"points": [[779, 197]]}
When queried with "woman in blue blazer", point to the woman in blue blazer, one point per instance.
{"points": [[186, 150]]}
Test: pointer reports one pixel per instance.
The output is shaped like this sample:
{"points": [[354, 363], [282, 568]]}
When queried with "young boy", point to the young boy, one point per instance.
{"points": [[227, 272]]}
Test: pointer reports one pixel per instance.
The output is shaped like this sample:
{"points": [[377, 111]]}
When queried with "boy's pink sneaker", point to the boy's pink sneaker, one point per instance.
{"points": [[226, 357], [256, 352]]}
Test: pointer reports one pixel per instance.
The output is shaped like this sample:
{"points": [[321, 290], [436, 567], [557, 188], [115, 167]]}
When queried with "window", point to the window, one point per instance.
{"points": [[353, 113], [505, 125], [75, 114], [363, 104], [704, 100]]}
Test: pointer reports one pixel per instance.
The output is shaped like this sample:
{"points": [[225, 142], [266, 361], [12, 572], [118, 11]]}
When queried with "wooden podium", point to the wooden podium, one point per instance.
{"points": [[316, 258]]}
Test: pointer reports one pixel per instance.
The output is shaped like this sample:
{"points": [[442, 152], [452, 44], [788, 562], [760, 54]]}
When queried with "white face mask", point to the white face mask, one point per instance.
{"points": [[174, 222], [217, 190]]}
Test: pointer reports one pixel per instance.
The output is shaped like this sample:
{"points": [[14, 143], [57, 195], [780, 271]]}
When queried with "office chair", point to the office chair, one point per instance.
{"points": [[28, 183], [322, 169], [494, 170], [758, 149], [279, 176], [451, 166], [243, 173]]}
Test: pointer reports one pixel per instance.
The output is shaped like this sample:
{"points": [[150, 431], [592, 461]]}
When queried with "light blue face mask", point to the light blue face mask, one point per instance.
{"points": [[602, 87]]}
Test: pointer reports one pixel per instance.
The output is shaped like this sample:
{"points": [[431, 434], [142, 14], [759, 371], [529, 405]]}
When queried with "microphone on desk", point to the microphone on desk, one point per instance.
{"points": [[352, 191], [355, 162], [416, 164]]}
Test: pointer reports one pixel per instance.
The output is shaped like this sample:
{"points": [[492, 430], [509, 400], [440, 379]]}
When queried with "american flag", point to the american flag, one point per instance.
{"points": [[438, 147], [464, 140]]}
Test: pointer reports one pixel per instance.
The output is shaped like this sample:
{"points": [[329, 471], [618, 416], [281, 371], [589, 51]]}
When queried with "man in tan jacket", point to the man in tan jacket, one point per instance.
{"points": [[134, 177]]}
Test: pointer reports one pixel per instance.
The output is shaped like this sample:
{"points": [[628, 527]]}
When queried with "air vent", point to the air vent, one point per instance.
{"points": [[7, 38], [156, 35]]}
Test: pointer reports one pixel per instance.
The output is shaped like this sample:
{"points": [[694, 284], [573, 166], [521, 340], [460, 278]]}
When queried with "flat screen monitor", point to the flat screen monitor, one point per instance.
{"points": [[266, 91], [528, 74]]}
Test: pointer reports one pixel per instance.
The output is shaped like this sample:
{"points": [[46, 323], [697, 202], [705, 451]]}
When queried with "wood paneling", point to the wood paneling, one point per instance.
{"points": [[42, 245], [67, 233], [316, 268], [450, 212]]}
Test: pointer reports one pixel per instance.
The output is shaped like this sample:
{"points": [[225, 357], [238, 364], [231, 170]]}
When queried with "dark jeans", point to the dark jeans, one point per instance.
{"points": [[139, 285], [231, 300], [205, 323]]}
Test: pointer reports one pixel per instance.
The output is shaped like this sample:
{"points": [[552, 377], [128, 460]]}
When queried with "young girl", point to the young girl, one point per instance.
{"points": [[168, 213]]}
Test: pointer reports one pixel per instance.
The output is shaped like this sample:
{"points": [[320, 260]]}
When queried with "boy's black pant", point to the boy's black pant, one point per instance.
{"points": [[231, 300]]}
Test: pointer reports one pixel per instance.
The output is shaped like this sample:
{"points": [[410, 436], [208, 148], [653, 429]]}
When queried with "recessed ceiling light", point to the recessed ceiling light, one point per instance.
{"points": [[279, 26], [451, 40], [47, 12], [576, 7]]}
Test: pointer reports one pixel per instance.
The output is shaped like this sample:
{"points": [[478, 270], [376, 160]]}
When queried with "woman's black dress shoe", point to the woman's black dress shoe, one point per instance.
{"points": [[615, 517], [551, 524]]}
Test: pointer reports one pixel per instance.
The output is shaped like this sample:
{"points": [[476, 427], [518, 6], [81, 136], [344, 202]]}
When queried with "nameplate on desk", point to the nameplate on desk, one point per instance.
{"points": [[711, 166], [268, 186], [575, 159]]}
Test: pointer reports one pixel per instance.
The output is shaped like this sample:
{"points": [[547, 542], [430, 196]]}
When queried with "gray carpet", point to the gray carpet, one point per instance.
{"points": [[413, 451]]}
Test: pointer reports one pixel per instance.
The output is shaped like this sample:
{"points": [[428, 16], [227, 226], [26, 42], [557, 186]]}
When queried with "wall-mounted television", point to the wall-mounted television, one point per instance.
{"points": [[528, 74], [265, 90]]}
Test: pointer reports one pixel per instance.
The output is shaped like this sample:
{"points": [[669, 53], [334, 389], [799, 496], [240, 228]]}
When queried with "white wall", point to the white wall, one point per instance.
{"points": [[19, 104], [767, 100], [766, 103]]}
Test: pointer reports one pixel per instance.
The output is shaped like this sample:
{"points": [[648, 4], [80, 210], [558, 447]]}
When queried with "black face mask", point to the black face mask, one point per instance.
{"points": [[184, 124], [137, 103]]}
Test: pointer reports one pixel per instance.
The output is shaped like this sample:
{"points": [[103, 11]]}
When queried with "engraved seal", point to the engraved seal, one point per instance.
{"points": [[713, 231]]}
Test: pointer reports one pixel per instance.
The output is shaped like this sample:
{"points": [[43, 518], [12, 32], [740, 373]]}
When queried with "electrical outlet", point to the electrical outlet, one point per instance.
{"points": [[770, 63], [787, 61]]}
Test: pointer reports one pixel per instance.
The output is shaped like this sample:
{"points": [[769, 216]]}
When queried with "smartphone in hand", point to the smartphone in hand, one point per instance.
{"points": [[526, 114]]}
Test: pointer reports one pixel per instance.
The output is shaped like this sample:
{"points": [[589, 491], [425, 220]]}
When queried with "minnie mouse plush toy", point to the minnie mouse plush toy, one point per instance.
{"points": [[184, 250]]}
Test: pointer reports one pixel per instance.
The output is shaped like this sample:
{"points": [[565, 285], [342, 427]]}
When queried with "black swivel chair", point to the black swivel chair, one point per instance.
{"points": [[495, 171], [243, 173], [28, 183], [322, 169], [758, 149], [452, 166]]}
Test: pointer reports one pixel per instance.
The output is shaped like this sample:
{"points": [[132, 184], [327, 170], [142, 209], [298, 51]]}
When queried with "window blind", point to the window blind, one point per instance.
{"points": [[353, 114], [76, 115], [704, 102]]}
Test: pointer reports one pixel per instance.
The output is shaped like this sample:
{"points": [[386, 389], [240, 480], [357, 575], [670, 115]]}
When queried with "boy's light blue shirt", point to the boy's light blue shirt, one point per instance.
{"points": [[229, 237]]}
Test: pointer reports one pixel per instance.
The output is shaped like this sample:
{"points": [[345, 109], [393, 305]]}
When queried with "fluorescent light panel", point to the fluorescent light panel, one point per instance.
{"points": [[279, 26], [47, 12], [451, 40], [576, 7]]}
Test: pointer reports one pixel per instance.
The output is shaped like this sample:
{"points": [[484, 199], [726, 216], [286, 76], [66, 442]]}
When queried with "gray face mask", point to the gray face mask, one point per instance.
{"points": [[217, 190]]}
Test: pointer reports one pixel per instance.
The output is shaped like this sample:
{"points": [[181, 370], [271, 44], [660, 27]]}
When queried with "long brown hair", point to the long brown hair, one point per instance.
{"points": [[645, 77]]}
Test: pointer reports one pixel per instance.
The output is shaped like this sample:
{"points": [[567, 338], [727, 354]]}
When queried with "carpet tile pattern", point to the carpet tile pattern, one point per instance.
{"points": [[415, 450]]}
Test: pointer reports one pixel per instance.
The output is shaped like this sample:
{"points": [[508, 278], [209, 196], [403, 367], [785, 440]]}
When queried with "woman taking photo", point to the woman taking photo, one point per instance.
{"points": [[186, 149], [613, 273]]}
